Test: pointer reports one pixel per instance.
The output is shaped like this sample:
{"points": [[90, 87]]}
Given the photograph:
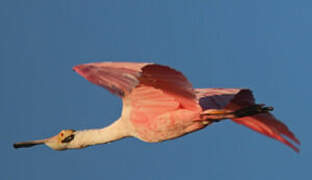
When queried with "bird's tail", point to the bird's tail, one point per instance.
{"points": [[267, 124], [264, 123], [243, 110]]}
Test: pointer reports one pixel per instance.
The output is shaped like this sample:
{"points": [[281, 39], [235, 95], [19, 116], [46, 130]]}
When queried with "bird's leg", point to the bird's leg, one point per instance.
{"points": [[215, 115]]}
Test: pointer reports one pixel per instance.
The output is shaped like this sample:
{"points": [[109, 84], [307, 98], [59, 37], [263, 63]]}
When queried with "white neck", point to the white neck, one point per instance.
{"points": [[113, 132]]}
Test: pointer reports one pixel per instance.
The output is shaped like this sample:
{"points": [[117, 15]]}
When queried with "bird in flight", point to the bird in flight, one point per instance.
{"points": [[160, 104]]}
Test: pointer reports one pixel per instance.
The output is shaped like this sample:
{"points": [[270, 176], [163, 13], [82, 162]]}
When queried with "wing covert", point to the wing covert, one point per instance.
{"points": [[121, 77]]}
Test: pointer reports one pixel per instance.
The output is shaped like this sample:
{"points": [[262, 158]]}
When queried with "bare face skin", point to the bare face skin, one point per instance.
{"points": [[58, 142]]}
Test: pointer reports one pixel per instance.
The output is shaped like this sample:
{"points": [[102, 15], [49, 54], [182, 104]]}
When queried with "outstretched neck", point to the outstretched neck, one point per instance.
{"points": [[113, 132]]}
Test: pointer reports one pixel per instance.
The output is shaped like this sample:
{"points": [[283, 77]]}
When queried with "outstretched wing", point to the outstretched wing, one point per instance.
{"points": [[234, 99], [119, 78], [122, 77]]}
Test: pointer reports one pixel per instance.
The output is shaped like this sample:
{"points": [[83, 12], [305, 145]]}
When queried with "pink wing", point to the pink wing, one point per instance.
{"points": [[118, 78], [234, 99], [121, 78]]}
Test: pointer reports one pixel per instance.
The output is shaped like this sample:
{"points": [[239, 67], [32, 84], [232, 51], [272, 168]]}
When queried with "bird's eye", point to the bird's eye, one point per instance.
{"points": [[68, 139], [62, 134]]}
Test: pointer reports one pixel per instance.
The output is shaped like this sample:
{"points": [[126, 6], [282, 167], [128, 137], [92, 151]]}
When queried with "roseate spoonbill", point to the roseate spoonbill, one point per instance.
{"points": [[159, 104]]}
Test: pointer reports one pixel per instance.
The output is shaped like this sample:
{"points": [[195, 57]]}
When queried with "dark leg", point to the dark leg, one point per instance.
{"points": [[252, 110], [215, 115]]}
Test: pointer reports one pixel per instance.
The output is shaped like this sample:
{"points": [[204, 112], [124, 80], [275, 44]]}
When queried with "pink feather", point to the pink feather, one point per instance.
{"points": [[155, 91]]}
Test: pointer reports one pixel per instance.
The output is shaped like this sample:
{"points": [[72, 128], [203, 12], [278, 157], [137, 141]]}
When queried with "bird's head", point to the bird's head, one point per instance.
{"points": [[62, 141]]}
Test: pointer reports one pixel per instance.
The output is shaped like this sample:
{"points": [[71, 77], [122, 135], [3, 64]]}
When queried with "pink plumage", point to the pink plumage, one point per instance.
{"points": [[163, 104], [118, 78]]}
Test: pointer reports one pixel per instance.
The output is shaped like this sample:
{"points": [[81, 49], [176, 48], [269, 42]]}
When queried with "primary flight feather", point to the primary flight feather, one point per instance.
{"points": [[159, 104]]}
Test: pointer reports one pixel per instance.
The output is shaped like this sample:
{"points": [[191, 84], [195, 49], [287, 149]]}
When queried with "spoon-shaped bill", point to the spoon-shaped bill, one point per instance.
{"points": [[29, 143]]}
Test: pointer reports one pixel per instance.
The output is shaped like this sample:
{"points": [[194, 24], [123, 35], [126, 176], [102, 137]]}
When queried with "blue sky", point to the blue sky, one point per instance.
{"points": [[263, 45]]}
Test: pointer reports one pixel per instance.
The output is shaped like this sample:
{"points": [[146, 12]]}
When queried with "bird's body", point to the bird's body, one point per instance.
{"points": [[159, 104]]}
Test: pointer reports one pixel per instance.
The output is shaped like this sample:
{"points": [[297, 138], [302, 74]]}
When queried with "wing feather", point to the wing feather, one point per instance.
{"points": [[121, 78], [118, 78]]}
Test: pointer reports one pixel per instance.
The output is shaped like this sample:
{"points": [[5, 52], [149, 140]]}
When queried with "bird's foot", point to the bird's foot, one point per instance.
{"points": [[252, 110], [215, 115]]}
